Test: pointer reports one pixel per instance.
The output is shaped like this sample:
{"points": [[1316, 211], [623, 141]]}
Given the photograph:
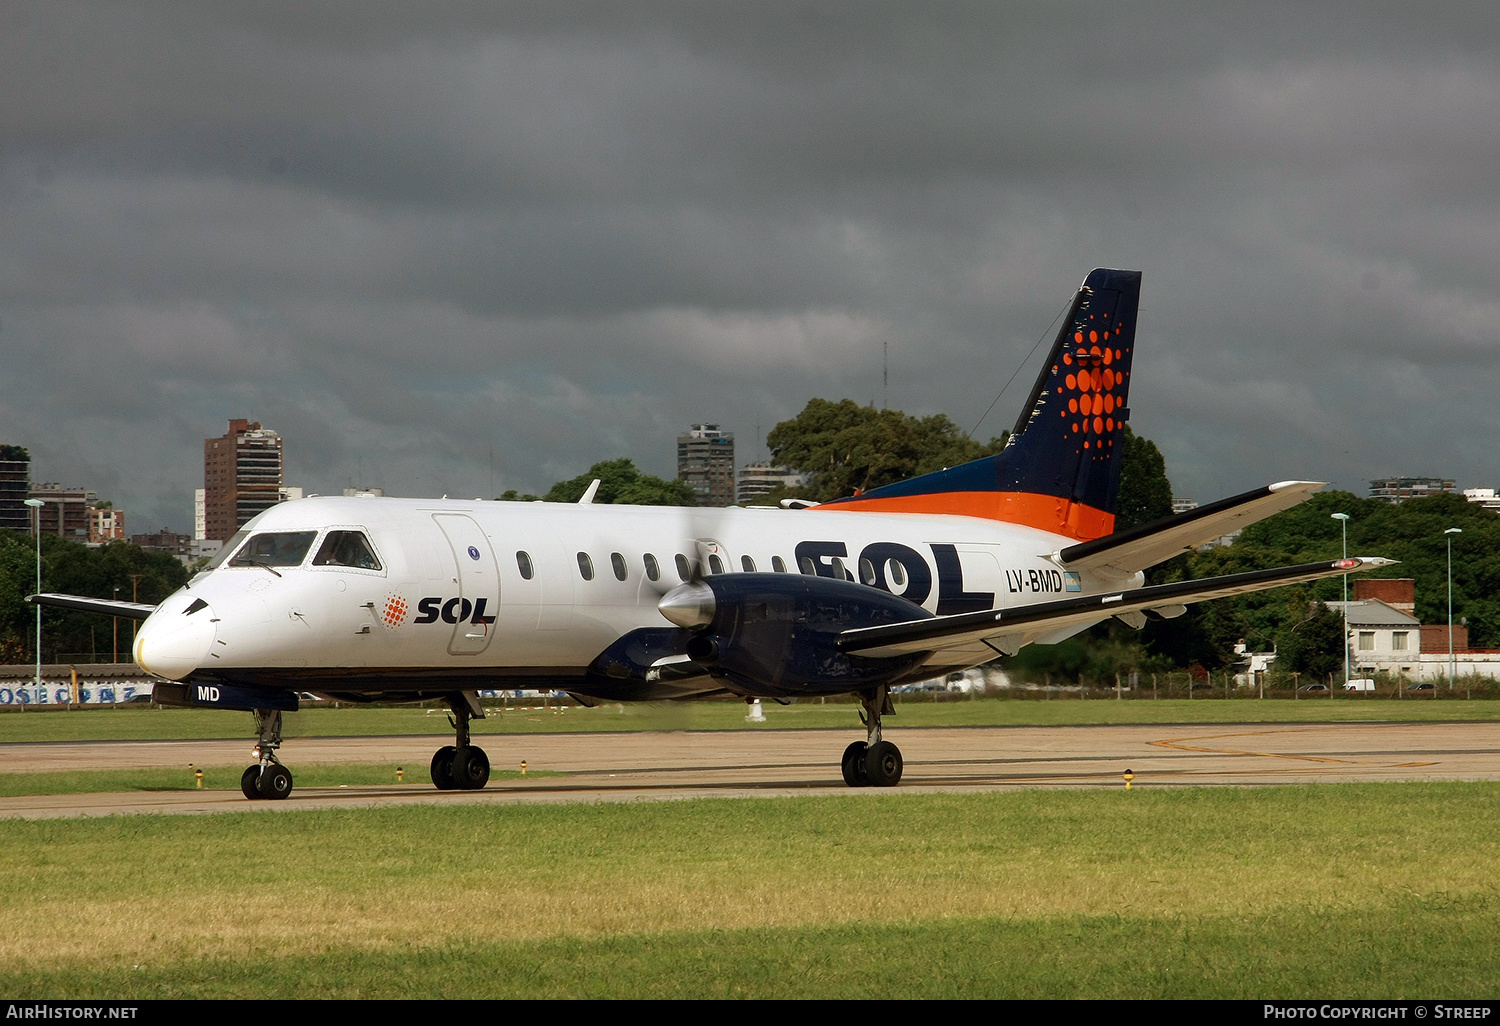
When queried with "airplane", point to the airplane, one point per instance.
{"points": [[376, 599]]}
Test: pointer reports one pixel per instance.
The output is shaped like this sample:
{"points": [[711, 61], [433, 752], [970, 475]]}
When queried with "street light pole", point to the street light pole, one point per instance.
{"points": [[1452, 664], [36, 519], [1343, 519]]}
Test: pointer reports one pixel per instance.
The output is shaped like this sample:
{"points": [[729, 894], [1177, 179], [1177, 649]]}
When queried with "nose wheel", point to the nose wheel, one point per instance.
{"points": [[873, 763], [461, 767], [268, 778]]}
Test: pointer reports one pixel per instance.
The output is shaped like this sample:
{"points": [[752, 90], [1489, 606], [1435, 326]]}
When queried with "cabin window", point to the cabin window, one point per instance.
{"points": [[839, 573], [618, 562], [895, 573], [346, 548], [523, 564], [805, 564], [585, 566], [867, 572], [653, 571], [748, 564], [778, 564], [1398, 641], [1366, 641], [715, 564], [682, 567], [280, 548]]}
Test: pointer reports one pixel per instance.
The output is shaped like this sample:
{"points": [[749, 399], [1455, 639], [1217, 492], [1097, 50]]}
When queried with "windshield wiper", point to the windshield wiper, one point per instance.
{"points": [[242, 561]]}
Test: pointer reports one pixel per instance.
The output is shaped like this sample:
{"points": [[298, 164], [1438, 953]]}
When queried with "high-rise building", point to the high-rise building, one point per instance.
{"points": [[757, 479], [64, 511], [15, 481], [705, 460], [241, 477]]}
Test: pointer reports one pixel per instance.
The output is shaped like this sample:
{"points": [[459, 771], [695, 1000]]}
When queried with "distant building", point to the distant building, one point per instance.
{"points": [[200, 514], [173, 544], [705, 460], [1181, 504], [1399, 489], [15, 481], [757, 479], [1485, 497], [353, 492], [106, 524], [242, 477], [65, 511], [1386, 636]]}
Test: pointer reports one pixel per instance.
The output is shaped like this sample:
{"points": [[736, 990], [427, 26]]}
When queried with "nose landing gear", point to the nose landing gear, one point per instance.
{"points": [[873, 762], [461, 767], [268, 778]]}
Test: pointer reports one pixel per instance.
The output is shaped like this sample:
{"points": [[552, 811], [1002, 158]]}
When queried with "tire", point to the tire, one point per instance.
{"points": [[442, 768], [275, 782], [853, 765], [883, 764], [471, 769], [248, 781]]}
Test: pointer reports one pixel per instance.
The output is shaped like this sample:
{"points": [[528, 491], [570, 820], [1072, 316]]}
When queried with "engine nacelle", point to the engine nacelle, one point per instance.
{"points": [[777, 634]]}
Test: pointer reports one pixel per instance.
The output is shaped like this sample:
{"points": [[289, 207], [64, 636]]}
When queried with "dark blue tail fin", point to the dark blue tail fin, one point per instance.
{"points": [[1060, 469]]}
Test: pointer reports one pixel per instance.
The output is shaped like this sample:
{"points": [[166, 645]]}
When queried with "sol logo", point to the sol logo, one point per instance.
{"points": [[394, 613]]}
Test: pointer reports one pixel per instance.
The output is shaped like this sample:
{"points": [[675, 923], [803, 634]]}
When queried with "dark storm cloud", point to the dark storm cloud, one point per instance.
{"points": [[463, 247]]}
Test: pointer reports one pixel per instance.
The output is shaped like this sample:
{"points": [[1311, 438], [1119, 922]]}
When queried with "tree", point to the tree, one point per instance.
{"points": [[847, 448], [1313, 645], [620, 481], [1145, 493], [74, 569]]}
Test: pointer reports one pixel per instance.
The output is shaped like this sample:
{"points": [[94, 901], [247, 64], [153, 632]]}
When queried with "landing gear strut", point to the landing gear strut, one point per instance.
{"points": [[461, 766], [268, 778], [873, 762]]}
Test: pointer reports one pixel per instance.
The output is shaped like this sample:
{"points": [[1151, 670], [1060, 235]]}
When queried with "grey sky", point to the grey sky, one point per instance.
{"points": [[412, 236]]}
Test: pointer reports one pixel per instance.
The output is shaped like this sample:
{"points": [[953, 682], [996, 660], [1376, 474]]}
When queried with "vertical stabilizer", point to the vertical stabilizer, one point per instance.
{"points": [[1060, 469]]}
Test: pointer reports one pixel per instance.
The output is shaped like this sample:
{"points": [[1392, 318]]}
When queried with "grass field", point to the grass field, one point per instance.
{"points": [[1328, 891], [140, 724]]}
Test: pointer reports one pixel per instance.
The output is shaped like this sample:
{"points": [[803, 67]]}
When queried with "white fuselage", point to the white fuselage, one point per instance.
{"points": [[452, 590]]}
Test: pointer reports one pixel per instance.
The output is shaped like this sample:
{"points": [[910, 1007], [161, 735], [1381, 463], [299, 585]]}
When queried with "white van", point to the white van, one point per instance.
{"points": [[1360, 684]]}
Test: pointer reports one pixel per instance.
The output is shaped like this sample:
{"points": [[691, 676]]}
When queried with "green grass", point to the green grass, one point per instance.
{"points": [[216, 778], [1357, 890], [170, 724]]}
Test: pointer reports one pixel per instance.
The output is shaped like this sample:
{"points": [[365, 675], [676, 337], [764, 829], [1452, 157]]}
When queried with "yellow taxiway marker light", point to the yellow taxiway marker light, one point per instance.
{"points": [[400, 775], [199, 775], [523, 767], [1129, 776]]}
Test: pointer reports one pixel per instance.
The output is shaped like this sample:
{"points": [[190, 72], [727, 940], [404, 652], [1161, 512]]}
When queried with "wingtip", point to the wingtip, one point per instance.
{"points": [[1299, 486]]}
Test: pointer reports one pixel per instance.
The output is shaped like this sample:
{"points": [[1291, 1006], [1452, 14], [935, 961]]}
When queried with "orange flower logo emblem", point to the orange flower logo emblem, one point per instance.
{"points": [[394, 613]]}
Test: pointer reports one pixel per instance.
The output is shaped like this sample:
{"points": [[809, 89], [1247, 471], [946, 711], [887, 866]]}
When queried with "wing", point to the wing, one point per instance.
{"points": [[1122, 554], [1004, 631], [109, 607]]}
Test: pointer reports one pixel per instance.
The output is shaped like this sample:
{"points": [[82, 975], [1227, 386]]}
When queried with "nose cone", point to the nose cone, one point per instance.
{"points": [[689, 605], [175, 640]]}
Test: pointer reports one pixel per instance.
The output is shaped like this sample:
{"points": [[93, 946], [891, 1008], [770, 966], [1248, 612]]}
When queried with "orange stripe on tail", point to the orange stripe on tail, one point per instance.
{"points": [[1044, 512]]}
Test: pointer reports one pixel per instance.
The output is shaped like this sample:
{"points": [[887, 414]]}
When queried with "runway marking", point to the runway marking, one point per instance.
{"points": [[1179, 744]]}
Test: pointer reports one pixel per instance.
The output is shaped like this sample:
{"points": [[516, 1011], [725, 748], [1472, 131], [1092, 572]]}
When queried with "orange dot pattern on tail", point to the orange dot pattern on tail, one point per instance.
{"points": [[1094, 384]]}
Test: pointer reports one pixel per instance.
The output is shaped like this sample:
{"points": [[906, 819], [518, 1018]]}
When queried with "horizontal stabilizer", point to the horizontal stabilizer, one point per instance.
{"points": [[1128, 551], [1008, 629], [107, 607]]}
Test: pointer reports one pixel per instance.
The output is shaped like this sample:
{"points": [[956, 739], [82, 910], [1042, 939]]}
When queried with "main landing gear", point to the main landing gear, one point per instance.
{"points": [[873, 763], [268, 778], [462, 766]]}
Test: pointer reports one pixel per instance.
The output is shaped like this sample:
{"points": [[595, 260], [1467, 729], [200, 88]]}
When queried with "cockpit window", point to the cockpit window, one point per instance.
{"points": [[346, 548], [277, 548], [228, 550]]}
